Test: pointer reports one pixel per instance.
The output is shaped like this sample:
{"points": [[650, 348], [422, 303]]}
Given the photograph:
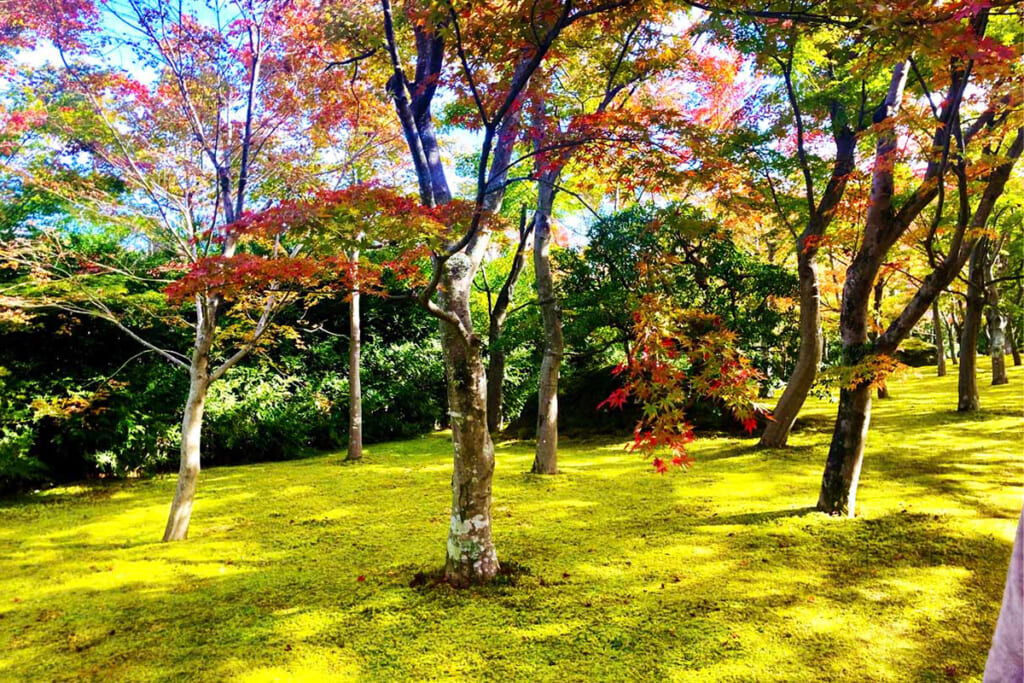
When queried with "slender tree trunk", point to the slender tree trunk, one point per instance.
{"points": [[1011, 339], [776, 434], [967, 388], [996, 325], [499, 314], [546, 457], [954, 350], [471, 557], [883, 387], [191, 431], [956, 332], [355, 391], [940, 349]]}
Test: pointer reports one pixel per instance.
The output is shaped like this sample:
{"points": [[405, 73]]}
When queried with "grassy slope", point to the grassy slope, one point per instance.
{"points": [[720, 573]]}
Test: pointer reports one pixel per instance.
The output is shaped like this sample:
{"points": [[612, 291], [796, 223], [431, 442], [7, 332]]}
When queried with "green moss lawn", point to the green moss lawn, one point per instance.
{"points": [[720, 573]]}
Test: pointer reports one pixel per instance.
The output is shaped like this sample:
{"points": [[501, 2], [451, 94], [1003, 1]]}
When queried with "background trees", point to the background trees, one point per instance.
{"points": [[745, 194]]}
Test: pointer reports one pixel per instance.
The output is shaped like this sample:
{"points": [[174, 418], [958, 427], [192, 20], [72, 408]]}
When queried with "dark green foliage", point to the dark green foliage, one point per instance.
{"points": [[703, 268], [79, 399]]}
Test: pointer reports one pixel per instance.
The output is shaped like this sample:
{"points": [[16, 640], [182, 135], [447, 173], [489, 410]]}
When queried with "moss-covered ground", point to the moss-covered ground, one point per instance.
{"points": [[719, 573]]}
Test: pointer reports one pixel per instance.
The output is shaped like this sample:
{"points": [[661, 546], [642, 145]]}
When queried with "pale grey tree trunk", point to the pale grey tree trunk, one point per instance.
{"points": [[951, 336], [546, 457], [997, 345], [996, 323], [355, 392], [471, 557], [191, 432]]}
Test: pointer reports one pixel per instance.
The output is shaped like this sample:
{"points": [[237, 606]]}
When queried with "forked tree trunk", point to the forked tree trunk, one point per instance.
{"points": [[846, 452], [471, 557], [968, 399], [546, 457], [776, 433], [191, 431], [355, 391], [496, 328], [940, 347]]}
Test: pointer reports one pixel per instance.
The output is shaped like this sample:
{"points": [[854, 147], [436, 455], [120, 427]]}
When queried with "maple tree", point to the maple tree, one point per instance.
{"points": [[969, 54], [492, 75], [217, 116]]}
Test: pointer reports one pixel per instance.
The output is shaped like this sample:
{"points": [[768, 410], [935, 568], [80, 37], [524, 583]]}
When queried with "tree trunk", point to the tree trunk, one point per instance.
{"points": [[546, 457], [1011, 339], [842, 468], [997, 345], [940, 347], [846, 453], [883, 387], [191, 431], [495, 388], [498, 316], [776, 434], [954, 353], [471, 557], [996, 325], [967, 388], [355, 392]]}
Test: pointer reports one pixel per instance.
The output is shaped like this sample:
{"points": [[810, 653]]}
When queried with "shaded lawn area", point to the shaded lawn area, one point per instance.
{"points": [[718, 573]]}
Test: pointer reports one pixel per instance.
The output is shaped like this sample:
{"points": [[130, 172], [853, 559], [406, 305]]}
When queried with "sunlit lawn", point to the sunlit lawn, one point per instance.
{"points": [[719, 573]]}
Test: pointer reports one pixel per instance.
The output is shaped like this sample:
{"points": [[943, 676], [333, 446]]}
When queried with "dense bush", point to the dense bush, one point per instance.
{"points": [[77, 399]]}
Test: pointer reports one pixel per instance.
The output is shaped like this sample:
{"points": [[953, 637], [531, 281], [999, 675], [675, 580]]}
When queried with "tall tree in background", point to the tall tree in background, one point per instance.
{"points": [[568, 106]]}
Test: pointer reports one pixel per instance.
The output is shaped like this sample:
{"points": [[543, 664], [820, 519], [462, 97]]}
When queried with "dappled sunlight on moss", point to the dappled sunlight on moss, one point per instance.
{"points": [[720, 572]]}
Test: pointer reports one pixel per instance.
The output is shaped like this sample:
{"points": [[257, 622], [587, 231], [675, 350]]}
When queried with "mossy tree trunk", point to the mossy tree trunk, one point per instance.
{"points": [[471, 557]]}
